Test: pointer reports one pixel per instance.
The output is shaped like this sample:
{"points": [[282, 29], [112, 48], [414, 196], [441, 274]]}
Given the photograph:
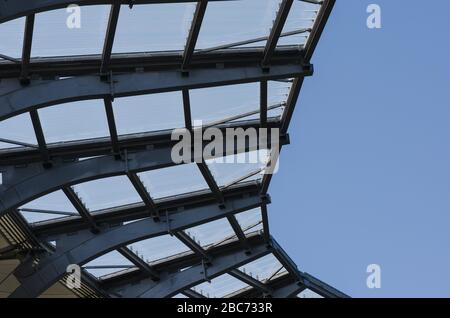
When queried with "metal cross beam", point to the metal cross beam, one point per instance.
{"points": [[284, 286], [26, 50], [24, 184], [102, 146], [209, 178], [18, 8], [263, 103], [140, 263], [143, 193], [52, 230], [249, 280], [277, 28], [193, 245], [192, 294], [16, 100], [39, 132], [111, 125], [109, 39], [81, 208], [319, 26], [309, 281], [193, 33], [85, 246]]}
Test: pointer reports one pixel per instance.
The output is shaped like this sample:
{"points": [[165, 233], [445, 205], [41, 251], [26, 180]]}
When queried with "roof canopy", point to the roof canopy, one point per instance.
{"points": [[89, 97]]}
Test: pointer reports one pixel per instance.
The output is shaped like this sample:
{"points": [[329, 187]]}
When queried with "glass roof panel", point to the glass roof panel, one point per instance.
{"points": [[107, 193], [9, 129], [174, 180], [158, 248], [12, 38], [220, 286], [263, 268], [301, 16], [211, 232], [113, 258], [53, 202], [146, 113], [74, 121], [218, 103], [77, 31], [154, 27], [250, 221], [238, 168], [233, 21], [307, 293]]}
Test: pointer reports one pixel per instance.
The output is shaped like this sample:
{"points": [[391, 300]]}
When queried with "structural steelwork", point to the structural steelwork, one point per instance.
{"points": [[103, 193]]}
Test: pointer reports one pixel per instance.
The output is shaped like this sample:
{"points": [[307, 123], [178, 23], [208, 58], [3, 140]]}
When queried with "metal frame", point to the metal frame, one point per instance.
{"points": [[85, 245], [29, 84]]}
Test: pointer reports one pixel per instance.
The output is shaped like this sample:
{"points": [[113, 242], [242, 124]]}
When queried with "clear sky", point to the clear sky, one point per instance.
{"points": [[366, 178]]}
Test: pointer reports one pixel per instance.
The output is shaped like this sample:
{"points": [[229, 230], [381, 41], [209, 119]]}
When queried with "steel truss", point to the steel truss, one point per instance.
{"points": [[32, 171]]}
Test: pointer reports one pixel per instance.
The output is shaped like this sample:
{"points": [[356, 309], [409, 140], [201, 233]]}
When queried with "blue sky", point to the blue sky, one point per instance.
{"points": [[366, 178]]}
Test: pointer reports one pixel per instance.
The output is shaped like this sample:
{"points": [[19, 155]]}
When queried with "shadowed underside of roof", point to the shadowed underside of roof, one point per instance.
{"points": [[89, 96]]}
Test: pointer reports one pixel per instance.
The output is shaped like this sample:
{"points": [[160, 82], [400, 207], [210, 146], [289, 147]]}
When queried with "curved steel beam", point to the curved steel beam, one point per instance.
{"points": [[24, 184], [16, 99], [84, 246], [171, 284], [27, 184]]}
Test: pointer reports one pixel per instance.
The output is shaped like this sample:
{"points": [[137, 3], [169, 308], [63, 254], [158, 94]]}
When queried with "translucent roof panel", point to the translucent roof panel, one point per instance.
{"points": [[263, 268], [220, 287], [238, 168], [155, 27], [18, 128], [278, 91], [158, 248], [209, 234], [113, 258], [74, 121], [53, 202], [76, 30], [233, 21], [218, 103], [12, 38], [250, 221], [307, 293], [146, 113], [301, 16], [174, 180], [107, 193]]}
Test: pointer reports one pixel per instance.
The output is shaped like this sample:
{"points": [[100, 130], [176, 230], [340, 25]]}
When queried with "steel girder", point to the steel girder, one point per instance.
{"points": [[16, 99], [20, 8], [103, 146], [84, 246], [23, 184]]}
